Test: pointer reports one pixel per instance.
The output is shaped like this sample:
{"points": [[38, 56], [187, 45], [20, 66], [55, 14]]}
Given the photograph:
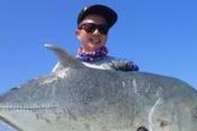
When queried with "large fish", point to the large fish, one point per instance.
{"points": [[77, 98]]}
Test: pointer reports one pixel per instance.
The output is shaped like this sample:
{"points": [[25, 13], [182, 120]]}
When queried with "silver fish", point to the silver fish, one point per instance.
{"points": [[77, 98]]}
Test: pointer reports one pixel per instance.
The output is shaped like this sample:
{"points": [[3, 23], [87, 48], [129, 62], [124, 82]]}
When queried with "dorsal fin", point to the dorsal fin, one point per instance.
{"points": [[65, 58]]}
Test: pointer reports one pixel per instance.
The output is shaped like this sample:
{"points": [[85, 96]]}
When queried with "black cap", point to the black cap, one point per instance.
{"points": [[104, 11]]}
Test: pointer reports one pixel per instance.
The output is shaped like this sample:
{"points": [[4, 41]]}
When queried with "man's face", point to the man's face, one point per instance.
{"points": [[92, 32]]}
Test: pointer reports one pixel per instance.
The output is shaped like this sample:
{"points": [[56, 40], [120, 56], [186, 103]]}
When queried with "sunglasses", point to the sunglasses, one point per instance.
{"points": [[91, 27]]}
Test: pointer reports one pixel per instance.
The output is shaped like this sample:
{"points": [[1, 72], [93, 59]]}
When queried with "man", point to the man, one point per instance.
{"points": [[93, 24]]}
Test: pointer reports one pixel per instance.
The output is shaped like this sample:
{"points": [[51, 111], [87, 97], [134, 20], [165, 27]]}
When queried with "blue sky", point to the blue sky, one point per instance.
{"points": [[159, 35]]}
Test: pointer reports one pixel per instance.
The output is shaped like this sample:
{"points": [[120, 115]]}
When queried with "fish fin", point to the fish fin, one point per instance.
{"points": [[65, 58], [8, 125]]}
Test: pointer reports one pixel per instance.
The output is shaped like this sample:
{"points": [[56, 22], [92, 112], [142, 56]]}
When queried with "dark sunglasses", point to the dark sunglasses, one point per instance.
{"points": [[91, 27]]}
